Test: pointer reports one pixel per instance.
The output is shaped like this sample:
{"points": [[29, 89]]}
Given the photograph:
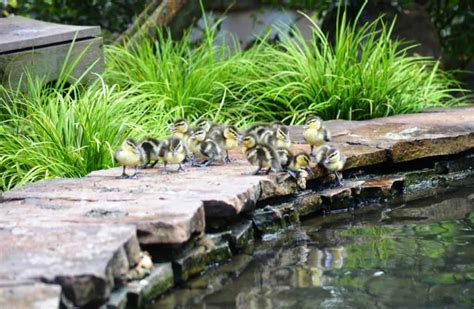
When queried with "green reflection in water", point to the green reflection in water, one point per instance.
{"points": [[417, 256]]}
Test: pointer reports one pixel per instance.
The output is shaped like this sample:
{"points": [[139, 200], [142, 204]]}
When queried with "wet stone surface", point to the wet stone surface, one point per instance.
{"points": [[141, 292]]}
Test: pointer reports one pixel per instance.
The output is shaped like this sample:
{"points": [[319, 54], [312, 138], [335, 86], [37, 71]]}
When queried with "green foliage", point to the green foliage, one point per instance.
{"points": [[61, 131], [363, 75], [183, 80]]}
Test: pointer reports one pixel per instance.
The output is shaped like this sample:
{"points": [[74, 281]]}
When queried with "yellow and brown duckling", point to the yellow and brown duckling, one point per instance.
{"points": [[261, 155], [129, 154], [207, 125], [332, 159], [154, 151], [314, 133], [300, 161], [285, 156], [205, 148], [283, 137], [175, 152], [180, 129], [227, 138]]}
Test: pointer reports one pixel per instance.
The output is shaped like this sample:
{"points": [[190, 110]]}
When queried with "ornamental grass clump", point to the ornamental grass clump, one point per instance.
{"points": [[180, 78], [363, 74], [51, 132]]}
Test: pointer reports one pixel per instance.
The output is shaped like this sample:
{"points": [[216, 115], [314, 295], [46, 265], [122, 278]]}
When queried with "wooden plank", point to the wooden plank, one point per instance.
{"points": [[17, 33], [48, 62]]}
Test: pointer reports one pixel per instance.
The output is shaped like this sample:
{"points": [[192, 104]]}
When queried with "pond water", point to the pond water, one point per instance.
{"points": [[415, 255]]}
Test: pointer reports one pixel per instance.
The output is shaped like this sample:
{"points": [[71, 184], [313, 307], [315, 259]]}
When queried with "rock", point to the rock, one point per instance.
{"points": [[195, 290], [118, 299], [337, 198], [381, 188], [271, 219], [214, 279], [307, 203], [145, 290], [199, 259], [242, 237], [157, 221], [84, 259], [34, 295], [280, 185]]}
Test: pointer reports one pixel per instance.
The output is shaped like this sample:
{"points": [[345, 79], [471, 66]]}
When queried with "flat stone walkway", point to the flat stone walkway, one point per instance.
{"points": [[83, 234]]}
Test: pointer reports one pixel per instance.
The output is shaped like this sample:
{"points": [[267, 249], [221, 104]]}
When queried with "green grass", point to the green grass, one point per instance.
{"points": [[363, 75], [61, 131], [62, 134]]}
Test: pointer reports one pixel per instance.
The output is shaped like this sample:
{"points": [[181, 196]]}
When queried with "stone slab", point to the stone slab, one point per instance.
{"points": [[242, 237], [402, 137], [17, 32], [159, 216], [143, 291], [30, 296], [84, 259]]}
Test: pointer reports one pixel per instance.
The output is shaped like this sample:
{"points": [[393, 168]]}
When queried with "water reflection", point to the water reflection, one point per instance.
{"points": [[417, 256]]}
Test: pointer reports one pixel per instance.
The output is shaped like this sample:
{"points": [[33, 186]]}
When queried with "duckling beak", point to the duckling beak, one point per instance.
{"points": [[173, 128], [136, 150], [305, 127], [287, 138]]}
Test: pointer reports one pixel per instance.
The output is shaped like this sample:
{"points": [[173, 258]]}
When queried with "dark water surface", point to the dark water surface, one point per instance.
{"points": [[416, 255]]}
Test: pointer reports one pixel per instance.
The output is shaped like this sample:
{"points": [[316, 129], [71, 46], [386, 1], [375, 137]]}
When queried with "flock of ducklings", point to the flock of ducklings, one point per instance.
{"points": [[266, 146]]}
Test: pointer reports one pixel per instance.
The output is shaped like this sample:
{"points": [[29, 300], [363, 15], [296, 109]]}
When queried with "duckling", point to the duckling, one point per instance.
{"points": [[227, 138], [180, 129], [276, 124], [266, 135], [314, 133], [256, 127], [175, 152], [300, 161], [205, 148], [207, 125], [332, 159], [284, 157], [129, 154], [283, 137], [154, 150], [260, 155]]}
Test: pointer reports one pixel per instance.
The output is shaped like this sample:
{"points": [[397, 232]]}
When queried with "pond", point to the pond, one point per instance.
{"points": [[418, 254]]}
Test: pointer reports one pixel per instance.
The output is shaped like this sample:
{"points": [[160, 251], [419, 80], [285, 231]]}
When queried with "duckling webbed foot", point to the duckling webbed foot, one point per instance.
{"points": [[154, 163], [293, 174], [124, 175], [180, 168], [227, 158], [206, 163], [339, 181], [257, 171], [268, 171], [134, 176]]}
